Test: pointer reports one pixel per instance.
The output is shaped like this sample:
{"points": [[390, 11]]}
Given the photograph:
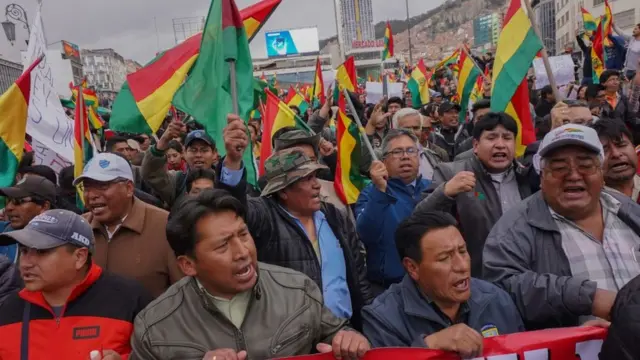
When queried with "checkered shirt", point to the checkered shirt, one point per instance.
{"points": [[610, 263]]}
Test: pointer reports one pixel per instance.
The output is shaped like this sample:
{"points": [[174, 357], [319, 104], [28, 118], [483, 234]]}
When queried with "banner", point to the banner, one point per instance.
{"points": [[579, 343], [561, 67], [47, 121], [43, 156]]}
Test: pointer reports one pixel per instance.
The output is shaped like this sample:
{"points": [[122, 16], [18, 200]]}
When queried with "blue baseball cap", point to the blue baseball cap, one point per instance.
{"points": [[51, 229], [199, 135]]}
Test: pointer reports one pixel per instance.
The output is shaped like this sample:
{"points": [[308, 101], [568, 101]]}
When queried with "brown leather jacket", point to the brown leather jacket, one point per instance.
{"points": [[285, 317]]}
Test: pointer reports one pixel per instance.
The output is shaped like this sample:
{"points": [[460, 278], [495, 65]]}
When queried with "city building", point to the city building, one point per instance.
{"points": [[106, 71], [486, 30], [132, 66], [568, 24], [357, 22], [626, 13], [66, 66], [545, 15], [9, 73]]}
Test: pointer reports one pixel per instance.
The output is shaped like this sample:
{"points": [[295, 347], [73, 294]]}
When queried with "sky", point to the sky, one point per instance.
{"points": [[129, 26]]}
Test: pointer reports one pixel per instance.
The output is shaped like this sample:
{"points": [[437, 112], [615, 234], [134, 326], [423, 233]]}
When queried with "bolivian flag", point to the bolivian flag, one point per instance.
{"points": [[588, 20], [319, 96], [294, 98], [348, 181], [598, 55], [82, 149], [419, 85], [145, 98], [451, 59], [14, 104], [517, 47], [346, 75], [467, 80], [277, 115], [388, 53]]}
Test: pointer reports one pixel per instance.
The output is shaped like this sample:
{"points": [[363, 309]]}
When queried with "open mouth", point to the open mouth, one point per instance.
{"points": [[245, 273], [461, 285], [500, 156], [620, 167], [574, 191]]}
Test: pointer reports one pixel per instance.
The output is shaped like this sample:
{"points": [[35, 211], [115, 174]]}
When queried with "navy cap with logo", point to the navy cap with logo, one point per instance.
{"points": [[448, 106], [51, 229], [199, 135], [31, 185]]}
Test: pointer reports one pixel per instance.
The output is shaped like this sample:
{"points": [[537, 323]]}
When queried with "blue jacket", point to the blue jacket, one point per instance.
{"points": [[403, 317], [377, 216], [10, 251], [616, 54]]}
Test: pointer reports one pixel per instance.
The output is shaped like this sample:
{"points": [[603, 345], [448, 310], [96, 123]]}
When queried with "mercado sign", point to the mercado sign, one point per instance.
{"points": [[365, 44]]}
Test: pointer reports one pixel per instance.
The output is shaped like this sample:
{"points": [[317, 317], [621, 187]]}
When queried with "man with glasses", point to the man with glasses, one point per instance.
{"points": [[616, 105], [478, 190], [390, 198], [200, 153], [129, 234], [30, 197], [430, 154], [565, 253]]}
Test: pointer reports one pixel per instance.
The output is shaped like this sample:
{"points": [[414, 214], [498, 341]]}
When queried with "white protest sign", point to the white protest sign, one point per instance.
{"points": [[47, 121], [375, 94], [44, 156], [561, 67]]}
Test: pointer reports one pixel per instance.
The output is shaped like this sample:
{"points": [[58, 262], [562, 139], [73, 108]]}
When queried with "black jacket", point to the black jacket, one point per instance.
{"points": [[9, 278], [623, 340], [280, 241]]}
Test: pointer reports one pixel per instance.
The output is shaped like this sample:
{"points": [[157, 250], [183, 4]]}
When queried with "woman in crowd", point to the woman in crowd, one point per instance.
{"points": [[175, 160]]}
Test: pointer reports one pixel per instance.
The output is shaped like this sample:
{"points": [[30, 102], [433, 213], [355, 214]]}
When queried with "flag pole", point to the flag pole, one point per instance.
{"points": [[234, 92], [545, 55], [357, 119], [464, 48]]}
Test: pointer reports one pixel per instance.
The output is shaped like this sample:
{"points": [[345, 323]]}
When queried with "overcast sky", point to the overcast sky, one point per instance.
{"points": [[129, 26]]}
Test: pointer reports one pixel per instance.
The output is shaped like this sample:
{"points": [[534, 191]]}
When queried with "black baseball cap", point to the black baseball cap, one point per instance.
{"points": [[448, 106], [51, 229], [31, 185], [199, 135]]}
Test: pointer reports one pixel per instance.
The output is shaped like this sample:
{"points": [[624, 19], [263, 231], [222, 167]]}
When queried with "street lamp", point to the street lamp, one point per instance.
{"points": [[19, 14]]}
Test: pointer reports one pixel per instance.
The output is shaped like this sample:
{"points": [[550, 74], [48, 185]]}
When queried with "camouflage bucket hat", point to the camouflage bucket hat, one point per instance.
{"points": [[285, 167], [292, 138]]}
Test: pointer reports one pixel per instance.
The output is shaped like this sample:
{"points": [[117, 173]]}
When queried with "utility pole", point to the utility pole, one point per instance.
{"points": [[409, 35]]}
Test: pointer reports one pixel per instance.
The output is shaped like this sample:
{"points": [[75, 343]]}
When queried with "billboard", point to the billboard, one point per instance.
{"points": [[294, 42]]}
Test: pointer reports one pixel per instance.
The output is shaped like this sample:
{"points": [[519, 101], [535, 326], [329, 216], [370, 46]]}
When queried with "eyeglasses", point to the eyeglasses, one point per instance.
{"points": [[399, 153], [20, 201], [560, 171], [101, 186]]}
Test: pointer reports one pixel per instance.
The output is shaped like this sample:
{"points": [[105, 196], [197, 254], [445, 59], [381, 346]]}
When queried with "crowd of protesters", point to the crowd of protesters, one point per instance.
{"points": [[173, 254]]}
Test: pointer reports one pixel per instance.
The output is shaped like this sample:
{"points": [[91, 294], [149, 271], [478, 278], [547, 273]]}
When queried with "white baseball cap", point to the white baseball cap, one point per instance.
{"points": [[105, 167], [569, 135]]}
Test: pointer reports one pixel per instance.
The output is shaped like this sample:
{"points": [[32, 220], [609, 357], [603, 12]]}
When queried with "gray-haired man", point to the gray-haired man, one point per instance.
{"points": [[564, 253], [431, 155]]}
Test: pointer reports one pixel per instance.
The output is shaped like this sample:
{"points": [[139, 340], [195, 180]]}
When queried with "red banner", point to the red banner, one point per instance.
{"points": [[580, 343]]}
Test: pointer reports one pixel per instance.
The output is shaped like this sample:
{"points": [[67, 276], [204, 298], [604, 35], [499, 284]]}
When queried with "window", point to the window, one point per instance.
{"points": [[625, 19], [598, 2]]}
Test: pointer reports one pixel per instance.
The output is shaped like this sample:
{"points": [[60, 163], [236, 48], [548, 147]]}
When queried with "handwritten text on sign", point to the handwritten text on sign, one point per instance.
{"points": [[47, 121], [553, 344]]}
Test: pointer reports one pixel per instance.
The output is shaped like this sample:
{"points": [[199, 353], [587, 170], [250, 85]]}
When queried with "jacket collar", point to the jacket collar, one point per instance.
{"points": [[134, 220], [36, 297], [538, 214], [418, 305]]}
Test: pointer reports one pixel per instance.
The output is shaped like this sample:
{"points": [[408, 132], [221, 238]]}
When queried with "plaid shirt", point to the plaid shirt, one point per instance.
{"points": [[610, 263]]}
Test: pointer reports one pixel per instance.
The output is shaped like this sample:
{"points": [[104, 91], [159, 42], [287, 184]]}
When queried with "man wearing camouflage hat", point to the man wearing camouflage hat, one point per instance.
{"points": [[294, 228], [318, 150]]}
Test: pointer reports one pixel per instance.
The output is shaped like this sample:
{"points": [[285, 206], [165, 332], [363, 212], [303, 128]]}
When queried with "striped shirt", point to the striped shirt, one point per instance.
{"points": [[612, 262]]}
